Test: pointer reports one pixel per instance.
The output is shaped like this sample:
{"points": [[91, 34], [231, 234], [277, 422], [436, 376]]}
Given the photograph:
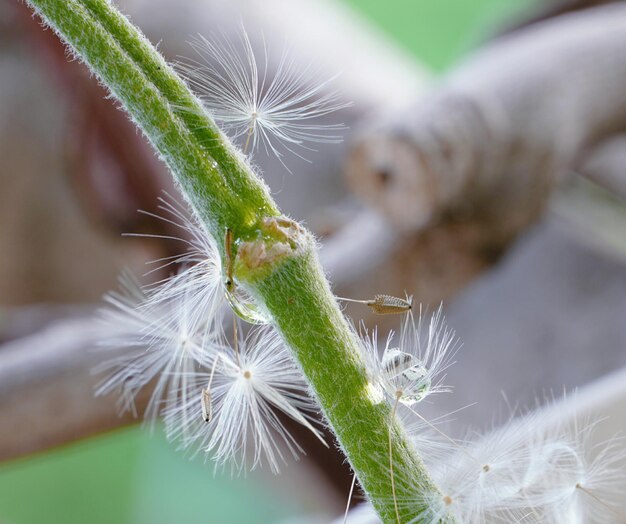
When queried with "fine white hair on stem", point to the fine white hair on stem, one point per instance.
{"points": [[413, 367], [278, 110], [164, 341], [248, 387]]}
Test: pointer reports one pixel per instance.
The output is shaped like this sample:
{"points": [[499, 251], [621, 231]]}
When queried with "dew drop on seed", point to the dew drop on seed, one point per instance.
{"points": [[405, 372]]}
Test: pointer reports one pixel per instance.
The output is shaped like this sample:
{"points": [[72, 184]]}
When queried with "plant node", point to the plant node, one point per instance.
{"points": [[277, 240]]}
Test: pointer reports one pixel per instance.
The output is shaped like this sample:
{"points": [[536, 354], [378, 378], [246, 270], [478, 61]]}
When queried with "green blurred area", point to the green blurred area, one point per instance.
{"points": [[438, 32], [132, 477], [91, 481]]}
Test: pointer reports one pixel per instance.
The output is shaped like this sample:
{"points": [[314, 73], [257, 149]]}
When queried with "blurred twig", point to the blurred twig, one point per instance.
{"points": [[493, 139], [46, 388], [596, 216], [606, 165], [112, 169], [471, 166], [553, 8]]}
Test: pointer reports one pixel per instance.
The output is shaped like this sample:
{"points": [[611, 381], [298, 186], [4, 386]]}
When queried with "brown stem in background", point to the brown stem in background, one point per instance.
{"points": [[554, 8], [112, 169], [472, 165]]}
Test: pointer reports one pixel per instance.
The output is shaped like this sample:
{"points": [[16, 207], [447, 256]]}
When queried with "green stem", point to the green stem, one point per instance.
{"points": [[289, 281]]}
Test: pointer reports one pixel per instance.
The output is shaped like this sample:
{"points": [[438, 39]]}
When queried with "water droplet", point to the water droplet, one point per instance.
{"points": [[245, 308], [406, 376]]}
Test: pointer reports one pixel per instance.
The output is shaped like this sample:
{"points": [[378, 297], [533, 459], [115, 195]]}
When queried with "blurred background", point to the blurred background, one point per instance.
{"points": [[484, 166]]}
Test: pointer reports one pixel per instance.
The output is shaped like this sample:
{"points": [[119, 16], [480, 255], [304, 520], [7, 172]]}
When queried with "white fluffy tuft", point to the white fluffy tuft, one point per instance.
{"points": [[247, 387], [277, 110]]}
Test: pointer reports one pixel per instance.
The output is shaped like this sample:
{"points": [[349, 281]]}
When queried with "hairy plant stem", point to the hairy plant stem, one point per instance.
{"points": [[276, 258]]}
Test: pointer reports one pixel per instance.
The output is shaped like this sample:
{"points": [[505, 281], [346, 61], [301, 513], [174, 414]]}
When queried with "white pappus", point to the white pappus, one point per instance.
{"points": [[412, 368], [534, 469], [199, 273], [246, 386], [279, 109], [164, 340], [173, 334]]}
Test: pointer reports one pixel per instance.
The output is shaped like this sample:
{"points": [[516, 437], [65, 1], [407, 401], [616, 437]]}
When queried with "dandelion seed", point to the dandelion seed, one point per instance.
{"points": [[592, 487], [482, 480], [414, 369], [385, 304], [532, 471], [207, 411], [199, 273], [206, 400], [228, 249], [236, 402], [247, 387], [165, 340], [279, 112]]}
